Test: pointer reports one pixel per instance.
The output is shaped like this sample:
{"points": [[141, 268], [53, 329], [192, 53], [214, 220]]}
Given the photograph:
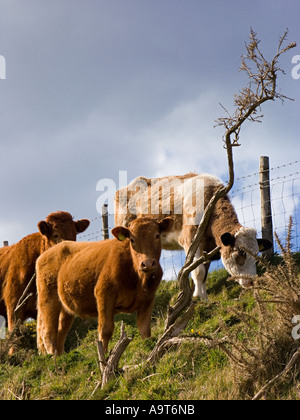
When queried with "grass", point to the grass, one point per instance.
{"points": [[190, 371]]}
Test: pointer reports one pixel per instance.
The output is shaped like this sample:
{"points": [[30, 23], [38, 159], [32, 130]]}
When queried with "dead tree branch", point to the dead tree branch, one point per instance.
{"points": [[185, 295], [280, 377], [262, 87], [109, 366]]}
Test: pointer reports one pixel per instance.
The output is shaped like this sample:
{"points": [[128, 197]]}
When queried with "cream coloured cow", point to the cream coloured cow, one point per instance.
{"points": [[184, 198]]}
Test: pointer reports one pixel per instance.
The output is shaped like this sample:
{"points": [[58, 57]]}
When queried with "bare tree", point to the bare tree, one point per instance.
{"points": [[262, 87]]}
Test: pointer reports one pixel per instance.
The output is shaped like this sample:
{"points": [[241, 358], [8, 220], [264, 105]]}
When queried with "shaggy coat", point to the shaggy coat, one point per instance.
{"points": [[17, 262], [99, 279]]}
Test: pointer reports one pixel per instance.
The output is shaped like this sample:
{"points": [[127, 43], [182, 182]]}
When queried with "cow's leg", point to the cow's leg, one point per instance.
{"points": [[105, 306], [49, 308], [47, 327], [11, 316], [11, 320], [105, 329], [49, 330], [64, 326], [199, 275], [39, 332], [11, 295], [144, 319]]}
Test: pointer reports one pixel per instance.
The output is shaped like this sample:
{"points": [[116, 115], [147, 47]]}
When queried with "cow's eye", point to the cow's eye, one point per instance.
{"points": [[132, 241], [157, 236]]}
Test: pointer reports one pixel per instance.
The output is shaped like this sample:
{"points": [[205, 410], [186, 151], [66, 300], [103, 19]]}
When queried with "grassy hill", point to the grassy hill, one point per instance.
{"points": [[250, 355]]}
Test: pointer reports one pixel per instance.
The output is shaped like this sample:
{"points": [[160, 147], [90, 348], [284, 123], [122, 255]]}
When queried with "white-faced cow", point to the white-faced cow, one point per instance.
{"points": [[184, 198]]}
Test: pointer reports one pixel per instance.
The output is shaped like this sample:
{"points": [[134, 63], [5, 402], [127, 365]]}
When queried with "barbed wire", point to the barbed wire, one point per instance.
{"points": [[285, 201], [266, 170]]}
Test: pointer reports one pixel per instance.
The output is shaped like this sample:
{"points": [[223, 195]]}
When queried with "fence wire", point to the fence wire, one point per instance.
{"points": [[285, 202]]}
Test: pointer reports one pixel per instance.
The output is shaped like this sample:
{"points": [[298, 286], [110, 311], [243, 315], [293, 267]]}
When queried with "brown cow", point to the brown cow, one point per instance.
{"points": [[99, 279], [17, 262]]}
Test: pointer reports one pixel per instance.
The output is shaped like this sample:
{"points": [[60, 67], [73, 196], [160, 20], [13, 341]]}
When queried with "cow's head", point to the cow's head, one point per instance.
{"points": [[237, 261], [145, 241], [60, 226]]}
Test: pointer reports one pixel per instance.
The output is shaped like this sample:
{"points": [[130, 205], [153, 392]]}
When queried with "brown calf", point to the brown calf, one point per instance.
{"points": [[17, 262], [99, 279]]}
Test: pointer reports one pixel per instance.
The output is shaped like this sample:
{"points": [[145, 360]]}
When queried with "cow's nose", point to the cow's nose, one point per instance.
{"points": [[246, 283], [148, 266]]}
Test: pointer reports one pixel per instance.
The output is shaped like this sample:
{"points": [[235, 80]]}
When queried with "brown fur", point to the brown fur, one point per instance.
{"points": [[224, 219], [17, 262], [99, 279]]}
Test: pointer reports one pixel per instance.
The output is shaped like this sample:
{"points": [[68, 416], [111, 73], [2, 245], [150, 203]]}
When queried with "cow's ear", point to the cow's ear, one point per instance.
{"points": [[82, 225], [264, 245], [166, 224], [121, 233], [228, 239], [45, 228]]}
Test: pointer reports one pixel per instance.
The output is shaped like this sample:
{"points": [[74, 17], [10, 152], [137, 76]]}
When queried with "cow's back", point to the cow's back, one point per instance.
{"points": [[182, 197], [18, 260], [161, 197]]}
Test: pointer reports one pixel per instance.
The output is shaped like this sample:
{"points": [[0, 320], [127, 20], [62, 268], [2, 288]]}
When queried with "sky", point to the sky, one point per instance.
{"points": [[96, 87]]}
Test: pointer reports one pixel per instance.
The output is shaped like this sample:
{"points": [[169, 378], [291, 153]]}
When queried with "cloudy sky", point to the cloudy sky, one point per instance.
{"points": [[97, 86]]}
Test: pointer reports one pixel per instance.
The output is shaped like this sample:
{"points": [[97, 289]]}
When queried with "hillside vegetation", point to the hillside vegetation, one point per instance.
{"points": [[237, 342]]}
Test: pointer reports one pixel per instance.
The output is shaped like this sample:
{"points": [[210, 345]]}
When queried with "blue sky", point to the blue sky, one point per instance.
{"points": [[99, 86]]}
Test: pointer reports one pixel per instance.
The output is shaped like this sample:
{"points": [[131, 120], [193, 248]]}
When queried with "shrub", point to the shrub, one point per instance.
{"points": [[262, 345]]}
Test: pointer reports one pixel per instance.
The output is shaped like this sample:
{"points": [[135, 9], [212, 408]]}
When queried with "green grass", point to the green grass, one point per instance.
{"points": [[191, 371]]}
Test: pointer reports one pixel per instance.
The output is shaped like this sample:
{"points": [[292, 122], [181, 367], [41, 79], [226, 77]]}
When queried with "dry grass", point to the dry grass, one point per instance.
{"points": [[262, 346]]}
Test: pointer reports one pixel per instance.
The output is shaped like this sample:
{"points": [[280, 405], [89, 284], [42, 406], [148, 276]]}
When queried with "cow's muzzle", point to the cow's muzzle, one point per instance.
{"points": [[148, 266], [246, 282]]}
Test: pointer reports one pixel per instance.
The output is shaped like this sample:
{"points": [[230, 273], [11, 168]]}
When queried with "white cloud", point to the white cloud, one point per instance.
{"points": [[185, 139]]}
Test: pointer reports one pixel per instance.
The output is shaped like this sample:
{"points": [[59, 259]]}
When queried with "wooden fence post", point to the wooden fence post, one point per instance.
{"points": [[105, 231], [265, 196]]}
